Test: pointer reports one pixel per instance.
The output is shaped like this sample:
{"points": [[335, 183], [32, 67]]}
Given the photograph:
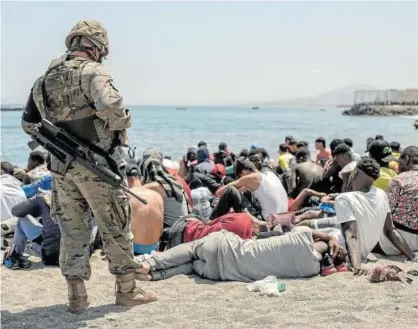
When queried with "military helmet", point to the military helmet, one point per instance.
{"points": [[94, 31]]}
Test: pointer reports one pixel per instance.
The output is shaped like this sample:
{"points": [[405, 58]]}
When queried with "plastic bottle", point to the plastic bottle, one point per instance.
{"points": [[269, 286]]}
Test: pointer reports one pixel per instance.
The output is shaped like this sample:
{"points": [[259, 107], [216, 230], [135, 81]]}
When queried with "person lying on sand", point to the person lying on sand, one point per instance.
{"points": [[224, 256], [193, 228]]}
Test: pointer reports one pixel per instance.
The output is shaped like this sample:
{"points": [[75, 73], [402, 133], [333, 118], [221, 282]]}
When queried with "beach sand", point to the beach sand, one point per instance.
{"points": [[35, 299]]}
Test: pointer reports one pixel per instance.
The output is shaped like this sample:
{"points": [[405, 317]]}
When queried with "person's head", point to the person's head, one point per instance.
{"points": [[395, 146], [289, 138], [243, 167], [36, 158], [320, 143], [366, 172], [408, 159], [256, 157], [244, 153], [302, 155], [369, 142], [264, 154], [133, 174], [202, 154], [218, 171], [334, 143], [152, 152], [302, 144], [348, 141], [379, 137], [202, 144], [380, 151], [283, 148], [7, 168], [90, 38], [292, 145], [342, 154], [191, 154], [223, 147], [195, 183]]}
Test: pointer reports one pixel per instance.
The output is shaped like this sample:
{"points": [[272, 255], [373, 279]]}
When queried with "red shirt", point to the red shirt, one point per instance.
{"points": [[238, 223]]}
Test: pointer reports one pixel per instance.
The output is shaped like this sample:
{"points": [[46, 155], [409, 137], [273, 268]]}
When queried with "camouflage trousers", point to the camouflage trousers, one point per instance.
{"points": [[72, 197]]}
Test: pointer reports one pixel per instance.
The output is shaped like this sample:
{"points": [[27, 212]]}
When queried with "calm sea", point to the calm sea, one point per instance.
{"points": [[173, 131]]}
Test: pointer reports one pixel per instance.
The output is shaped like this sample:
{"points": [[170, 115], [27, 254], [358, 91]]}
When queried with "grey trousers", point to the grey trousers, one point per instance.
{"points": [[199, 256]]}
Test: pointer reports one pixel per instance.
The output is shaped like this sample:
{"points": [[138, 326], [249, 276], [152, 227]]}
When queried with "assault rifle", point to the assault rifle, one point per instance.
{"points": [[67, 149]]}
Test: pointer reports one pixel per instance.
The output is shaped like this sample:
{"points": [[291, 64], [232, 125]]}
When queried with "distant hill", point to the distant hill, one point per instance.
{"points": [[335, 97]]}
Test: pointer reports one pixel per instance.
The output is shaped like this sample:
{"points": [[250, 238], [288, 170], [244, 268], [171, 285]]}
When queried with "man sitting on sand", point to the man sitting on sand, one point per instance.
{"points": [[224, 256], [146, 220], [365, 215], [304, 172], [266, 188], [403, 200]]}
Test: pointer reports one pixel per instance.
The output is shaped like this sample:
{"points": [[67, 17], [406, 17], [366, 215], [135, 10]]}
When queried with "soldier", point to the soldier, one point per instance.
{"points": [[77, 94]]}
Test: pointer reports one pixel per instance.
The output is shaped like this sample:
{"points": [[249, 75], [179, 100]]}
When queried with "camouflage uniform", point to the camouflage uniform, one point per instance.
{"points": [[77, 89]]}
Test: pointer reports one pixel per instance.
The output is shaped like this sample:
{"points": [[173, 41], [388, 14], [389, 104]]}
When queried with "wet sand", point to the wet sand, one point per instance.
{"points": [[36, 298]]}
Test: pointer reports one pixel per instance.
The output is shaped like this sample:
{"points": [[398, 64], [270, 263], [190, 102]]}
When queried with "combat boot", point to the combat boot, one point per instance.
{"points": [[128, 294], [77, 296]]}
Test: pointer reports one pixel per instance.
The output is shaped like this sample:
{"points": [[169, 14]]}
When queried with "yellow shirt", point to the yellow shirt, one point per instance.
{"points": [[385, 178], [284, 160], [394, 165]]}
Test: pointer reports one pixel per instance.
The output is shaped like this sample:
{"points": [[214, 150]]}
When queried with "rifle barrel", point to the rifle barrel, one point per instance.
{"points": [[145, 202]]}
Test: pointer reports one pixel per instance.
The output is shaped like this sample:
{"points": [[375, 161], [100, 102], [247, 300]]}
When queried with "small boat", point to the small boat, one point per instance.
{"points": [[416, 124], [255, 108], [181, 109]]}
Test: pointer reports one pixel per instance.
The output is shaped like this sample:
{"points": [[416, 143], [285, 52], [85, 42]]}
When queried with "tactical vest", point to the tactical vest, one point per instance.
{"points": [[61, 96]]}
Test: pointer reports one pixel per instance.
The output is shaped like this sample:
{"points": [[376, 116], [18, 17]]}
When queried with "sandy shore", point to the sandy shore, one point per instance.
{"points": [[36, 298]]}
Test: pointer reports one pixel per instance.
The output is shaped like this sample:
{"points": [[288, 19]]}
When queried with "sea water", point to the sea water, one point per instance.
{"points": [[173, 131]]}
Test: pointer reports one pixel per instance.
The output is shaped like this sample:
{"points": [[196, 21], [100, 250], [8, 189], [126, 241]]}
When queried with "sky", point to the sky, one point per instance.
{"points": [[220, 52]]}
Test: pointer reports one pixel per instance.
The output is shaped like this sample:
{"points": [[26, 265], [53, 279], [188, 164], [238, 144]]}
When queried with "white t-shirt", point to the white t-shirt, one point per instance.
{"points": [[369, 210], [11, 194], [271, 195]]}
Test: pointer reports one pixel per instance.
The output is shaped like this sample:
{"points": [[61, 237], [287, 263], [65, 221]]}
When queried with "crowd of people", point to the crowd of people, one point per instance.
{"points": [[241, 217]]}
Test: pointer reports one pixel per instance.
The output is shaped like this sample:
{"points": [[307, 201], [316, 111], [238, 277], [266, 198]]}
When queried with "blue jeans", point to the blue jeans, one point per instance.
{"points": [[25, 230]]}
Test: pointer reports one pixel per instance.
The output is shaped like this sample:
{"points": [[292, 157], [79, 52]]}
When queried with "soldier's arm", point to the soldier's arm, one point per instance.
{"points": [[31, 115], [107, 99]]}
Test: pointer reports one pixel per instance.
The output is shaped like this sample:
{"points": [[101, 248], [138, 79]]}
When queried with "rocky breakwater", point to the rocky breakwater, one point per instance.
{"points": [[382, 110]]}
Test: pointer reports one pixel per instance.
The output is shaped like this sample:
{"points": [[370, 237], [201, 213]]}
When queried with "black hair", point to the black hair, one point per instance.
{"points": [[348, 141], [202, 143], [195, 183], [370, 167], [7, 167], [321, 140], [243, 164], [395, 146], [301, 144], [341, 149], [37, 156], [244, 153], [302, 153], [369, 142], [334, 143], [379, 137], [283, 148], [412, 153], [255, 152], [222, 146], [264, 153]]}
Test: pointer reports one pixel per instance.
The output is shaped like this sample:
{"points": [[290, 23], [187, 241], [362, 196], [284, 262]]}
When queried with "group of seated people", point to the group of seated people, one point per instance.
{"points": [[244, 217]]}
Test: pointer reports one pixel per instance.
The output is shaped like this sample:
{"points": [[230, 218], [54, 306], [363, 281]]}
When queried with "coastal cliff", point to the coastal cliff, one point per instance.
{"points": [[382, 110]]}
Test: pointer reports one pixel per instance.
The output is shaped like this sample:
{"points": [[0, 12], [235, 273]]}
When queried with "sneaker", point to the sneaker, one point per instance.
{"points": [[10, 262], [22, 261], [327, 267]]}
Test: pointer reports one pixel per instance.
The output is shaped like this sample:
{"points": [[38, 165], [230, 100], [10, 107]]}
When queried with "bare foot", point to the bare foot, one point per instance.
{"points": [[143, 277], [144, 269]]}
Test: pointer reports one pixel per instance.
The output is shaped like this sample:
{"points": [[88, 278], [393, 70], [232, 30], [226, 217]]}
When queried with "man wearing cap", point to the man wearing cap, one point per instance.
{"points": [[77, 94], [381, 151], [147, 220]]}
